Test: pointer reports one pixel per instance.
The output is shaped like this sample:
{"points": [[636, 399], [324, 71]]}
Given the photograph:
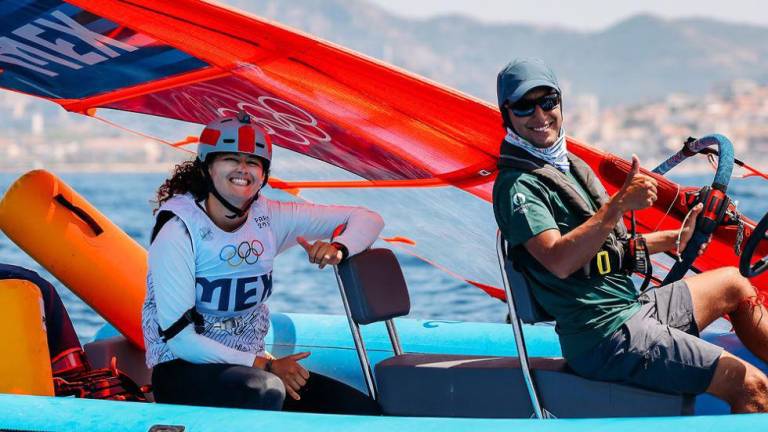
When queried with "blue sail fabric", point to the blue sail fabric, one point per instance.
{"points": [[86, 54]]}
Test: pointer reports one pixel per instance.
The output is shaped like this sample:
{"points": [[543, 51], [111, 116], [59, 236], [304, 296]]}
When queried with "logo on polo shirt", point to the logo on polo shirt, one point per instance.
{"points": [[206, 233], [518, 203]]}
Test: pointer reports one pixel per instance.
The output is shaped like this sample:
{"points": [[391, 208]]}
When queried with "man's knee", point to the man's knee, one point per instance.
{"points": [[740, 289], [730, 287], [264, 390]]}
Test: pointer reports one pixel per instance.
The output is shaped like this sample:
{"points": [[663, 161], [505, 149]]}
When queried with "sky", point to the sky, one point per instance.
{"points": [[581, 14]]}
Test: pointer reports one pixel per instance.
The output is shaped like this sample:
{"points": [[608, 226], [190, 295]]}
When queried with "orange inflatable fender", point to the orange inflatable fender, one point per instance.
{"points": [[25, 363], [80, 246]]}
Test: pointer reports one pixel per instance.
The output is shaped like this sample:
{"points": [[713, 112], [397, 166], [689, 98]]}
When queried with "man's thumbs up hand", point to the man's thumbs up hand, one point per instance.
{"points": [[638, 191]]}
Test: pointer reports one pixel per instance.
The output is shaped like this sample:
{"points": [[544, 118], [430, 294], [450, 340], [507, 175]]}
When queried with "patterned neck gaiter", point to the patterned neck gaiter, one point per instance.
{"points": [[556, 154]]}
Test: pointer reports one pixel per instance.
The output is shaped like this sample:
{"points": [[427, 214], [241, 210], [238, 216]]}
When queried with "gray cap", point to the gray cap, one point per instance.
{"points": [[520, 76]]}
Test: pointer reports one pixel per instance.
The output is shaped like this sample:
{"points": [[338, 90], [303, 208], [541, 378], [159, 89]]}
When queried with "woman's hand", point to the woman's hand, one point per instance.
{"points": [[321, 252], [293, 375]]}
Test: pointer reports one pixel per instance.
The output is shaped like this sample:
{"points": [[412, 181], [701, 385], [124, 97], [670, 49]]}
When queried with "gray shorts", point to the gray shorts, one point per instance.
{"points": [[658, 348]]}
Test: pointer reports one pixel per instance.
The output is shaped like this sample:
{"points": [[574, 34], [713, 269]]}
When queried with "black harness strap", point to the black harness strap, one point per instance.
{"points": [[162, 218], [639, 256], [192, 316]]}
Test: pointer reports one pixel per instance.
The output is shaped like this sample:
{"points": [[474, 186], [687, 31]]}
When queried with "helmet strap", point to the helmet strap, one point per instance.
{"points": [[237, 212]]}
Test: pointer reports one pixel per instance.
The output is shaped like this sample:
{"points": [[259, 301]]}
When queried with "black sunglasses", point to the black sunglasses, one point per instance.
{"points": [[526, 107]]}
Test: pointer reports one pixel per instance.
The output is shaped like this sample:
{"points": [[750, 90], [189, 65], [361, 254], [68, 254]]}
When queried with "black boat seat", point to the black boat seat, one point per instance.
{"points": [[477, 386]]}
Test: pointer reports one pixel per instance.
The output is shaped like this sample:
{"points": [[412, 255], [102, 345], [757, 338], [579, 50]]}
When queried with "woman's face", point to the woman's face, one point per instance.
{"points": [[237, 176]]}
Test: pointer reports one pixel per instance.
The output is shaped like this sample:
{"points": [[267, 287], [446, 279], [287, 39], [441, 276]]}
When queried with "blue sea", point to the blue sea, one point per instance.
{"points": [[299, 286]]}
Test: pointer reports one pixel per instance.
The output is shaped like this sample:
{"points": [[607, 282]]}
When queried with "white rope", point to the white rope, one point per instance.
{"points": [[680, 234], [669, 209]]}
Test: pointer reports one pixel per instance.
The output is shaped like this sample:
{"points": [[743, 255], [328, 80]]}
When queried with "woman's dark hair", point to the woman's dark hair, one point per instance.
{"points": [[189, 177]]}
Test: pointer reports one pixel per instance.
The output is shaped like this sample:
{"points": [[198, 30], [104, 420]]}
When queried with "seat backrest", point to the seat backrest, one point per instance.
{"points": [[374, 286], [528, 309]]}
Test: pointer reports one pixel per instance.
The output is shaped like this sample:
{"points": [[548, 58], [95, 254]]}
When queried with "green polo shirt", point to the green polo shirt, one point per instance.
{"points": [[586, 310]]}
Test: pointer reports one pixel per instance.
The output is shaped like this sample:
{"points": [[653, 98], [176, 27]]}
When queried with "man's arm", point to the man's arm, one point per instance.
{"points": [[563, 255], [665, 241], [660, 241]]}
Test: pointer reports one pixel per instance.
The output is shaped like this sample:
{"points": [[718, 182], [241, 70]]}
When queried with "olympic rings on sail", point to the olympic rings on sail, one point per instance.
{"points": [[283, 120], [245, 252]]}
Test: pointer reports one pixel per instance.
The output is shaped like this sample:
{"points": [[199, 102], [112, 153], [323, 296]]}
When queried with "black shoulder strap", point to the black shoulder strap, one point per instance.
{"points": [[162, 218], [587, 178], [514, 157], [192, 316]]}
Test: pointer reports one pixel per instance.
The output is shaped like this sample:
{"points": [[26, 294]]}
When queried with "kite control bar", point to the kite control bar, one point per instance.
{"points": [[716, 202]]}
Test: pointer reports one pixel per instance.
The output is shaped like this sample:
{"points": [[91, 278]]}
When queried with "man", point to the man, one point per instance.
{"points": [[564, 232]]}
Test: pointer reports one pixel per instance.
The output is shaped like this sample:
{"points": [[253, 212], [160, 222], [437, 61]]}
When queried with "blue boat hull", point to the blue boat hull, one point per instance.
{"points": [[67, 414], [333, 354]]}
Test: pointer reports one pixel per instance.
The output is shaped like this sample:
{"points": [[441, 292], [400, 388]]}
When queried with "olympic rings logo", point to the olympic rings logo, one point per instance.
{"points": [[283, 119], [245, 252]]}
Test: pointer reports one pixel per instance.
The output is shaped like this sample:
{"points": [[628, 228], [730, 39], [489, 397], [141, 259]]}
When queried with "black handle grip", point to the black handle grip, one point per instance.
{"points": [[689, 255], [90, 221]]}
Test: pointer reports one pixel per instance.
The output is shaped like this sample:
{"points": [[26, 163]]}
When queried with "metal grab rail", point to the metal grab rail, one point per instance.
{"points": [[517, 327], [362, 354], [393, 337]]}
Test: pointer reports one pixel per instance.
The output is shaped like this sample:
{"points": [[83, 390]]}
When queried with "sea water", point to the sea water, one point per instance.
{"points": [[298, 285]]}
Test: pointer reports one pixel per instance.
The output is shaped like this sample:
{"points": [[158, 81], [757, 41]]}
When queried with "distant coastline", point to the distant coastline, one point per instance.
{"points": [[699, 167], [127, 168]]}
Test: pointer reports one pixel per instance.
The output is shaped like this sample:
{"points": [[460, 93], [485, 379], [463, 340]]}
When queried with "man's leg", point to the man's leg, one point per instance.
{"points": [[739, 383], [724, 291]]}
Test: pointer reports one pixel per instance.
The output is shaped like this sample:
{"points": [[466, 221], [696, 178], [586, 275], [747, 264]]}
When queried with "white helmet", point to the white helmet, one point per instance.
{"points": [[234, 135]]}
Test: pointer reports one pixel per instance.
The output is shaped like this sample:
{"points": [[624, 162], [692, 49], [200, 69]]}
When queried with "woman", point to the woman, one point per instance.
{"points": [[210, 273]]}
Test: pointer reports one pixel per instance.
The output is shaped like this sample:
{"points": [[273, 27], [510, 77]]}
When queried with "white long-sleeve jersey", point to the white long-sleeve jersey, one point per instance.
{"points": [[227, 276]]}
